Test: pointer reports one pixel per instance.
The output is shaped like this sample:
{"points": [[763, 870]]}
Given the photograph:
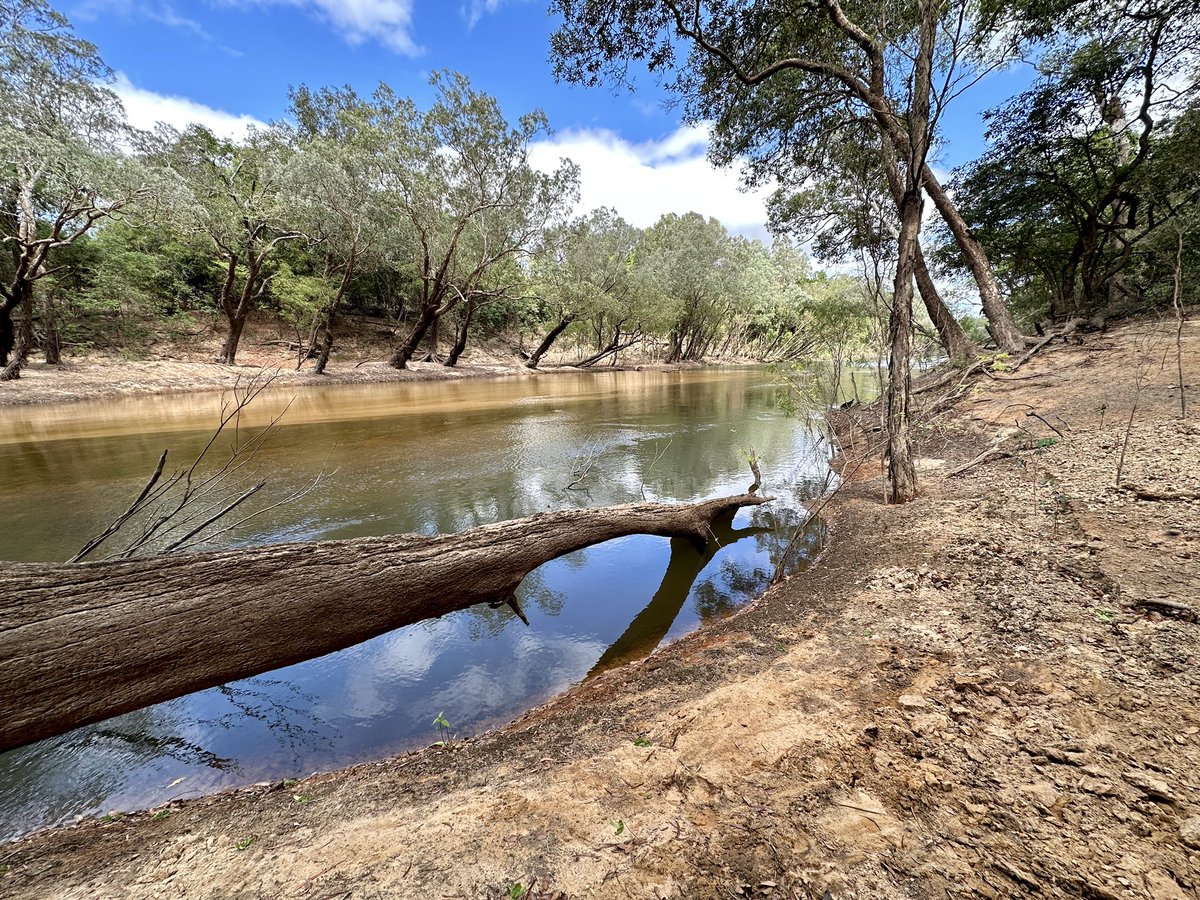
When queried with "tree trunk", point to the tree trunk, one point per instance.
{"points": [[19, 324], [232, 338], [950, 331], [902, 476], [404, 353], [326, 346], [1003, 329], [460, 335], [81, 642], [548, 341]]}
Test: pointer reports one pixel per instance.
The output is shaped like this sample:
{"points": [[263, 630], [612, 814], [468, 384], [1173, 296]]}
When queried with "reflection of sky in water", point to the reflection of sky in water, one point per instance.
{"points": [[664, 438]]}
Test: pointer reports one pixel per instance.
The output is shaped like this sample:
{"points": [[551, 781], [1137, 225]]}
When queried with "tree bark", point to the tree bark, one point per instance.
{"points": [[950, 332], [81, 642], [405, 352], [548, 342], [326, 346], [461, 333], [18, 329], [1002, 327]]}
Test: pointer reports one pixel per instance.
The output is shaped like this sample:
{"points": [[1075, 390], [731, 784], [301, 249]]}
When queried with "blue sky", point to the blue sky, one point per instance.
{"points": [[229, 62]]}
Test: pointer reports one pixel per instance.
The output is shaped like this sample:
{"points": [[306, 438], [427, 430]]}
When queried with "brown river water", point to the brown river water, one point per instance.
{"points": [[419, 457]]}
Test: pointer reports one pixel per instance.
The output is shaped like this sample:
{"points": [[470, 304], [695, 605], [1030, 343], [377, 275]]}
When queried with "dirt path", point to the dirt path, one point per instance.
{"points": [[993, 691]]}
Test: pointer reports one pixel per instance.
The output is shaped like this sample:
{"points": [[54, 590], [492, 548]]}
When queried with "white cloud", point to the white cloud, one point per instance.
{"points": [[477, 9], [386, 21], [644, 181], [160, 11], [146, 109]]}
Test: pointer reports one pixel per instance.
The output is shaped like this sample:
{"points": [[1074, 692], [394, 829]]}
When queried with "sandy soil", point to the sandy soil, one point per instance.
{"points": [[360, 358], [993, 691]]}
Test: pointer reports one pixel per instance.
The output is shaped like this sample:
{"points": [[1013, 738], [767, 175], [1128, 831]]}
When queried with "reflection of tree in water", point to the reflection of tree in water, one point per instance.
{"points": [[651, 625], [486, 622], [49, 782], [730, 588], [153, 747], [260, 699]]}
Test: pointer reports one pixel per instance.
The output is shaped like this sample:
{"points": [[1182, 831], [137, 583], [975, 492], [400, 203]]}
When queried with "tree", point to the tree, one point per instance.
{"points": [[695, 265], [60, 132], [1092, 159], [459, 176], [242, 204], [772, 76], [60, 623], [333, 177], [580, 266]]}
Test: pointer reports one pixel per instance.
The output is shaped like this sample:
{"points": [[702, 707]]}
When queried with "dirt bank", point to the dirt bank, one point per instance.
{"points": [[993, 691], [178, 369]]}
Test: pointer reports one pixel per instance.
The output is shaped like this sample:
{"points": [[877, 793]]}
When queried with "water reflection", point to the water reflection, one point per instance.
{"points": [[413, 458], [651, 625]]}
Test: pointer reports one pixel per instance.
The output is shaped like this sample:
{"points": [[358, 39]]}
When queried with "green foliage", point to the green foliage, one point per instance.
{"points": [[245, 843], [618, 827], [442, 727]]}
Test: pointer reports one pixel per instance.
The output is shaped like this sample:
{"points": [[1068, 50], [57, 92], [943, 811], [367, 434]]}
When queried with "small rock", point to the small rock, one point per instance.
{"points": [[968, 681], [912, 701], [1189, 832], [1154, 788]]}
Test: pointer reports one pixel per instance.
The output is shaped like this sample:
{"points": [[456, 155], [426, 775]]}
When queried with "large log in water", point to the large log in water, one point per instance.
{"points": [[80, 642]]}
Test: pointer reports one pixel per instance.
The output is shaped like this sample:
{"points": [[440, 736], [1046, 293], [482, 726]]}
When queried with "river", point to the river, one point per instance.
{"points": [[415, 457]]}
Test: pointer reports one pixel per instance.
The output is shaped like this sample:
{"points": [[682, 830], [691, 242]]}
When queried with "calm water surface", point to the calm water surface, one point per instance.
{"points": [[426, 457]]}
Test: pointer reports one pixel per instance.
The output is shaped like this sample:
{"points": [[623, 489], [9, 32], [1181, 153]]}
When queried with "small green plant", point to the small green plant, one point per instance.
{"points": [[1000, 362], [1105, 616], [618, 827], [289, 782], [302, 799], [516, 891], [245, 842], [643, 742], [442, 726], [161, 814]]}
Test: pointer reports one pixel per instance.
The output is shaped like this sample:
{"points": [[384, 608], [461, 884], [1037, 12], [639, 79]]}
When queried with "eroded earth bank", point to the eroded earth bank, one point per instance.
{"points": [[991, 692]]}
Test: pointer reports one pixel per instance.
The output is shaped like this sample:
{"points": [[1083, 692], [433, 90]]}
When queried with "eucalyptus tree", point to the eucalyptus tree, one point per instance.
{"points": [[458, 175], [773, 77], [61, 131], [850, 210], [242, 204], [334, 183], [579, 267], [696, 265], [1092, 159]]}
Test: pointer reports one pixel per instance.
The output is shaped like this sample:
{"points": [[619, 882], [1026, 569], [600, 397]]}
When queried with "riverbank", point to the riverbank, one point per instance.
{"points": [[993, 691], [179, 370]]}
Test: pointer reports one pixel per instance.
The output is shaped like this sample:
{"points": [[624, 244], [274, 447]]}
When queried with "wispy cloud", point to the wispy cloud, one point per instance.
{"points": [[644, 181], [387, 21], [475, 10], [160, 11], [146, 109]]}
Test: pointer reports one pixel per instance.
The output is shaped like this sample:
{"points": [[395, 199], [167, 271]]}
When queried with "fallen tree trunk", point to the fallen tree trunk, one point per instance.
{"points": [[81, 642]]}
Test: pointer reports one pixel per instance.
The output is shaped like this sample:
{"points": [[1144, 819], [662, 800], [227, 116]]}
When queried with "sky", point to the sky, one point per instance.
{"points": [[230, 63]]}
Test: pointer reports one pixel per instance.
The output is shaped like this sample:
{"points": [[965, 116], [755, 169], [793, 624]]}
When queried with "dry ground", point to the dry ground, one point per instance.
{"points": [[360, 357], [993, 691]]}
